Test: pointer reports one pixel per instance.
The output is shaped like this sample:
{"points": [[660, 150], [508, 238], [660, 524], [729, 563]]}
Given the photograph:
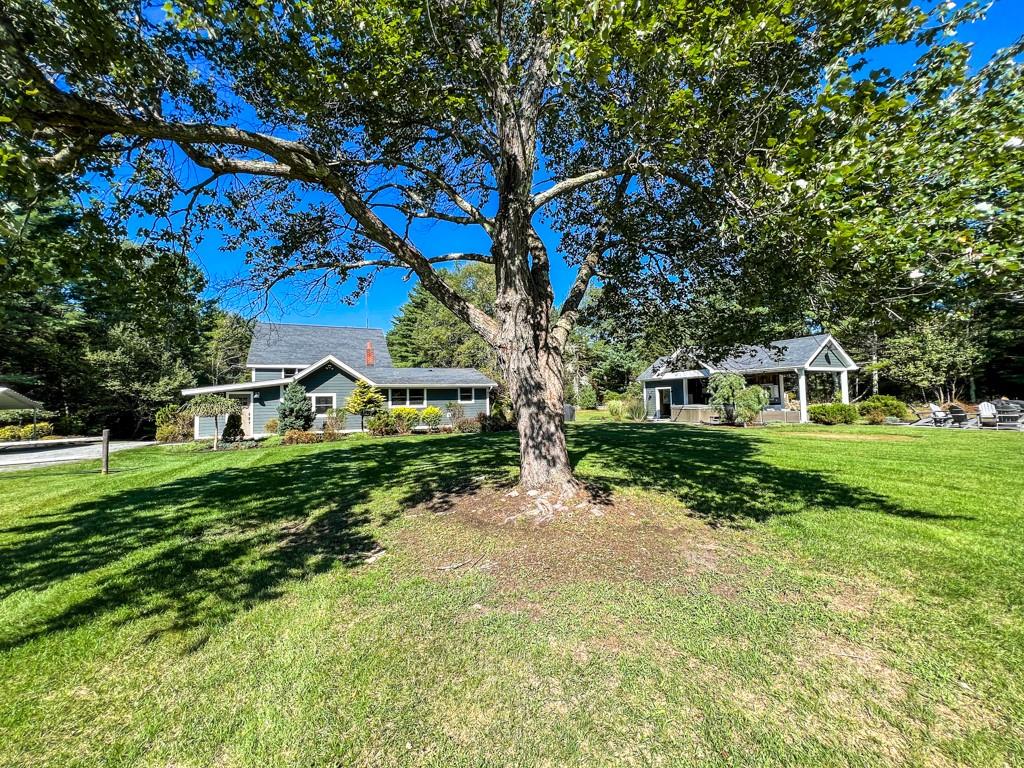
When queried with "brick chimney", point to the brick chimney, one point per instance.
{"points": [[370, 357]]}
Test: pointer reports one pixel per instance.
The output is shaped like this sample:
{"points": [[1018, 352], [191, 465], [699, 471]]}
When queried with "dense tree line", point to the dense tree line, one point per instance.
{"points": [[100, 330]]}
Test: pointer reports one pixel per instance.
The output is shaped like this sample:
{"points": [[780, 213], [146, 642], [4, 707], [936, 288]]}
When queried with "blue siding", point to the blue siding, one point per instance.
{"points": [[330, 380], [651, 400]]}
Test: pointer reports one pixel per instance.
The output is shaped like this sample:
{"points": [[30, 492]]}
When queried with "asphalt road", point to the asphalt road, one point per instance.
{"points": [[48, 457]]}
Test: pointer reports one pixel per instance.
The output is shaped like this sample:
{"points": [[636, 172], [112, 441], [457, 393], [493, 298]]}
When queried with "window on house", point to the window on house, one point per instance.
{"points": [[408, 397], [322, 403], [288, 372], [465, 394]]}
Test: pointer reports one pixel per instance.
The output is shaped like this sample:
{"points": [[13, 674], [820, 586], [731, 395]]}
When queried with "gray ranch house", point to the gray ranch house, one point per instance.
{"points": [[675, 386], [328, 361]]}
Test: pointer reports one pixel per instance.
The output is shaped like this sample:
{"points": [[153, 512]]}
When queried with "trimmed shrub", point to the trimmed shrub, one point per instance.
{"points": [[301, 437], [167, 433], [587, 398], [232, 428], [295, 412], [431, 417], [874, 414], [891, 406], [167, 415], [381, 423], [272, 427], [273, 440], [833, 413], [467, 426], [11, 433], [405, 419]]}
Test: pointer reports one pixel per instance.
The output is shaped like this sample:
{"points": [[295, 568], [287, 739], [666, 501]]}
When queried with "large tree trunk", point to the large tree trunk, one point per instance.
{"points": [[534, 378]]}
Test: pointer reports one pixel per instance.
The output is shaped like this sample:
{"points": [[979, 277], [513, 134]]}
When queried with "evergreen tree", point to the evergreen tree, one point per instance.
{"points": [[364, 401], [295, 410]]}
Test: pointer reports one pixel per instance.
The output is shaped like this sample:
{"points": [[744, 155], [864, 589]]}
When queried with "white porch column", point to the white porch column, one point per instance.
{"points": [[802, 393], [844, 385], [782, 391]]}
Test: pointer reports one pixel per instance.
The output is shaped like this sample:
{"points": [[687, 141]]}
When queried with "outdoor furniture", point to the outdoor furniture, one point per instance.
{"points": [[988, 416], [939, 417], [1008, 416], [958, 415]]}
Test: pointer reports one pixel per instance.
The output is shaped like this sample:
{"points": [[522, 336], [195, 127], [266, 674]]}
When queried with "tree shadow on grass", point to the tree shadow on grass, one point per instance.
{"points": [[718, 474], [191, 553], [196, 550]]}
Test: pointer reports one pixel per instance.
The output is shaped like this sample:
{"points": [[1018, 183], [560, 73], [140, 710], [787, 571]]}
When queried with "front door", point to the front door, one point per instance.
{"points": [[664, 403]]}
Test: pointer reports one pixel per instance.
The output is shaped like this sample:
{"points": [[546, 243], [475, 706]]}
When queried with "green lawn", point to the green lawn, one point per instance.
{"points": [[786, 596]]}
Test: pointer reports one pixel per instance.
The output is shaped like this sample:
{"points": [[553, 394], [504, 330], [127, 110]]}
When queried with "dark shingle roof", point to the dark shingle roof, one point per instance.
{"points": [[427, 377], [784, 353], [290, 345]]}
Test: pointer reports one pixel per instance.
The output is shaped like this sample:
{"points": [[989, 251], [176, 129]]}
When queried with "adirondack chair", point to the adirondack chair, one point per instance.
{"points": [[988, 416], [959, 416], [939, 417]]}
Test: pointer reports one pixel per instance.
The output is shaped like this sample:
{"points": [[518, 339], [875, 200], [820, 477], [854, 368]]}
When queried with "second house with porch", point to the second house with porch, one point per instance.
{"points": [[675, 386], [328, 361]]}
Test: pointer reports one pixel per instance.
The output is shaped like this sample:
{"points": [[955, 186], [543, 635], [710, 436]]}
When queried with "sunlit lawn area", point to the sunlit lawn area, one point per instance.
{"points": [[787, 596]]}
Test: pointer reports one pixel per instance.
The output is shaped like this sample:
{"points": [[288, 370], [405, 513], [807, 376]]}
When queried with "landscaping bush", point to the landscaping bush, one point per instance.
{"points": [[497, 421], [405, 419], [891, 406], [456, 411], [609, 397], [173, 425], [833, 413], [301, 437], [34, 431], [272, 427], [232, 428], [616, 409], [270, 442], [635, 409], [587, 398], [467, 426], [432, 417], [295, 412], [381, 423], [8, 434], [874, 414], [750, 402]]}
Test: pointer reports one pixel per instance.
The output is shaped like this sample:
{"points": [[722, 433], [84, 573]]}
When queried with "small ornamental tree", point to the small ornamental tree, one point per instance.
{"points": [[295, 410], [364, 401], [213, 406], [723, 389]]}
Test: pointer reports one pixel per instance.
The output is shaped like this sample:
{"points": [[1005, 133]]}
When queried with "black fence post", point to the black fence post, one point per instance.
{"points": [[105, 452]]}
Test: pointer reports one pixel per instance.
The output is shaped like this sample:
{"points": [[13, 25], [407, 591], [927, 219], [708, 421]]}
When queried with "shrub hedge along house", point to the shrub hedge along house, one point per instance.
{"points": [[328, 361], [675, 385]]}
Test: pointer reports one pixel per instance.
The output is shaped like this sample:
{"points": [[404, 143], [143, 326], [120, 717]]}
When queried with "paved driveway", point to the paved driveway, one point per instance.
{"points": [[48, 457]]}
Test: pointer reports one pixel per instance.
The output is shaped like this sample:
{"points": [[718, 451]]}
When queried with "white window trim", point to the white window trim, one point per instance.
{"points": [[424, 404], [472, 396], [312, 401]]}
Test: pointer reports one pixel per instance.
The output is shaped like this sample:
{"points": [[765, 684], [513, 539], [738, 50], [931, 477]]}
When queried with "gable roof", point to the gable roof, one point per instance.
{"points": [[294, 345], [13, 401], [780, 355]]}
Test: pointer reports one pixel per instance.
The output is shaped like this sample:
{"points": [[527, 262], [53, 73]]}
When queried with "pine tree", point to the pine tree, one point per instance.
{"points": [[295, 410], [364, 401]]}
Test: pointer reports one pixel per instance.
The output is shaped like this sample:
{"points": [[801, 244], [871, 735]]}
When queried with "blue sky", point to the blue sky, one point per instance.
{"points": [[1003, 24]]}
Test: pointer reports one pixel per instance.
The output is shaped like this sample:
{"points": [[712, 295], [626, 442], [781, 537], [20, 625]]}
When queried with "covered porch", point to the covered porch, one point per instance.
{"points": [[793, 372]]}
